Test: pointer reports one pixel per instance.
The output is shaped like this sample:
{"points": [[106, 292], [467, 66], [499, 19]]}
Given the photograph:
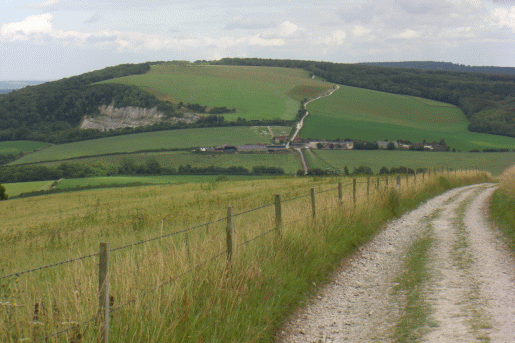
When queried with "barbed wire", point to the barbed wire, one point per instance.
{"points": [[253, 239], [327, 190], [48, 266], [65, 330], [296, 198], [252, 210], [169, 234]]}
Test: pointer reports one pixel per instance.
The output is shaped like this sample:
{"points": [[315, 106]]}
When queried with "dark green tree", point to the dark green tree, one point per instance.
{"points": [[3, 195], [391, 146]]}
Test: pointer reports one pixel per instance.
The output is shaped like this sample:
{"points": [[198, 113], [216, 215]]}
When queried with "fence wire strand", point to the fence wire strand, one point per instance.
{"points": [[58, 333], [253, 239], [48, 266], [253, 209], [168, 235]]}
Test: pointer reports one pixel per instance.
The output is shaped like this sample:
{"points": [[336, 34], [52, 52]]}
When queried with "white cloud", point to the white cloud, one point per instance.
{"points": [[359, 31], [287, 29], [336, 38], [407, 34], [504, 17], [32, 25], [44, 4]]}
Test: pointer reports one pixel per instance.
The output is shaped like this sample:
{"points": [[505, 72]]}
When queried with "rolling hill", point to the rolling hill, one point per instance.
{"points": [[255, 92], [363, 114]]}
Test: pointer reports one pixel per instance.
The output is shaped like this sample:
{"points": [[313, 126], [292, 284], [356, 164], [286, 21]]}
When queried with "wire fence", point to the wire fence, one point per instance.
{"points": [[337, 200]]}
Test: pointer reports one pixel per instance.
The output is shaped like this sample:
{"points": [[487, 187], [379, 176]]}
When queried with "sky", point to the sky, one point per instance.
{"points": [[52, 39]]}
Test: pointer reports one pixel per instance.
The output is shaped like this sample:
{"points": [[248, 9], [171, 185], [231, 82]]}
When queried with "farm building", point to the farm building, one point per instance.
{"points": [[252, 147]]}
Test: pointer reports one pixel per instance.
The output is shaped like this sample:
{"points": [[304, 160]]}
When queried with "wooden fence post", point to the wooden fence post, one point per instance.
{"points": [[229, 233], [368, 187], [377, 184], [387, 177], [340, 193], [103, 293], [354, 191], [313, 203], [415, 178], [407, 180], [398, 181], [278, 215], [423, 175]]}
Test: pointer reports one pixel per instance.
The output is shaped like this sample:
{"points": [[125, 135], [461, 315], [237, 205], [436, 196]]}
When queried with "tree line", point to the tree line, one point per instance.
{"points": [[127, 166]]}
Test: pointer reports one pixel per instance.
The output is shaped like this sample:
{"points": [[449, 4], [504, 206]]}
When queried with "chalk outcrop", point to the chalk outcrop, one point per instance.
{"points": [[115, 118]]}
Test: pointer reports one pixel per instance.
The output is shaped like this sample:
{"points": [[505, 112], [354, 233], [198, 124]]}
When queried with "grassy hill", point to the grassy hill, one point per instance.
{"points": [[255, 92], [16, 147], [358, 113]]}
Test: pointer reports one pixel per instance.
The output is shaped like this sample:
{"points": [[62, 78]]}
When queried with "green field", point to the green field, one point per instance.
{"points": [[495, 163], [290, 162], [124, 180], [357, 113], [16, 147], [15, 189], [174, 139], [255, 92]]}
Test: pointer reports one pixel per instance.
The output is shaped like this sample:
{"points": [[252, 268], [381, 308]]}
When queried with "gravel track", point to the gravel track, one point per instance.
{"points": [[470, 290]]}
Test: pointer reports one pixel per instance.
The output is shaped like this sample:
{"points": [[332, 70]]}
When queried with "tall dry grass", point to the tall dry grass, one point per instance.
{"points": [[507, 181], [181, 288]]}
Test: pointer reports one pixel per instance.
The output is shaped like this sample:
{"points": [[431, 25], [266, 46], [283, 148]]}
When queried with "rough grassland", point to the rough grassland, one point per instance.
{"points": [[255, 92], [357, 113], [290, 162], [15, 147], [267, 279], [495, 163], [174, 139]]}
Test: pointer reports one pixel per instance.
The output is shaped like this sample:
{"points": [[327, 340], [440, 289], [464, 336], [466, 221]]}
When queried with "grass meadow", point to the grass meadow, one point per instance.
{"points": [[16, 147], [255, 92], [357, 113], [173, 139], [181, 287], [494, 163]]}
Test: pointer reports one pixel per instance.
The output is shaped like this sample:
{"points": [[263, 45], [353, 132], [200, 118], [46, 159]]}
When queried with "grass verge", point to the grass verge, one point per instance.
{"points": [[502, 206]]}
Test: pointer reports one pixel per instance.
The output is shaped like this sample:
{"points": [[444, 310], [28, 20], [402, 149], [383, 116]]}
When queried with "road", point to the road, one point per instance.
{"points": [[301, 122], [468, 288]]}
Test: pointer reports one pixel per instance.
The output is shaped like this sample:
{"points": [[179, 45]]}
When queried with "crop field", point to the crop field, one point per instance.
{"points": [[371, 115], [173, 139], [15, 147], [15, 189], [255, 92], [495, 163], [290, 162]]}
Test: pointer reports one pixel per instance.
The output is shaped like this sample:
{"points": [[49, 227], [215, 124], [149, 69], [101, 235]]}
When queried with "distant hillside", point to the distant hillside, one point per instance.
{"points": [[488, 101], [45, 111], [444, 66]]}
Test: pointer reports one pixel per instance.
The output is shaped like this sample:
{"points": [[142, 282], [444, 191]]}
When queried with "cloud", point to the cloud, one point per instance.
{"points": [[359, 31], [44, 4], [93, 19], [504, 17], [241, 23], [336, 38], [407, 34], [33, 25]]}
